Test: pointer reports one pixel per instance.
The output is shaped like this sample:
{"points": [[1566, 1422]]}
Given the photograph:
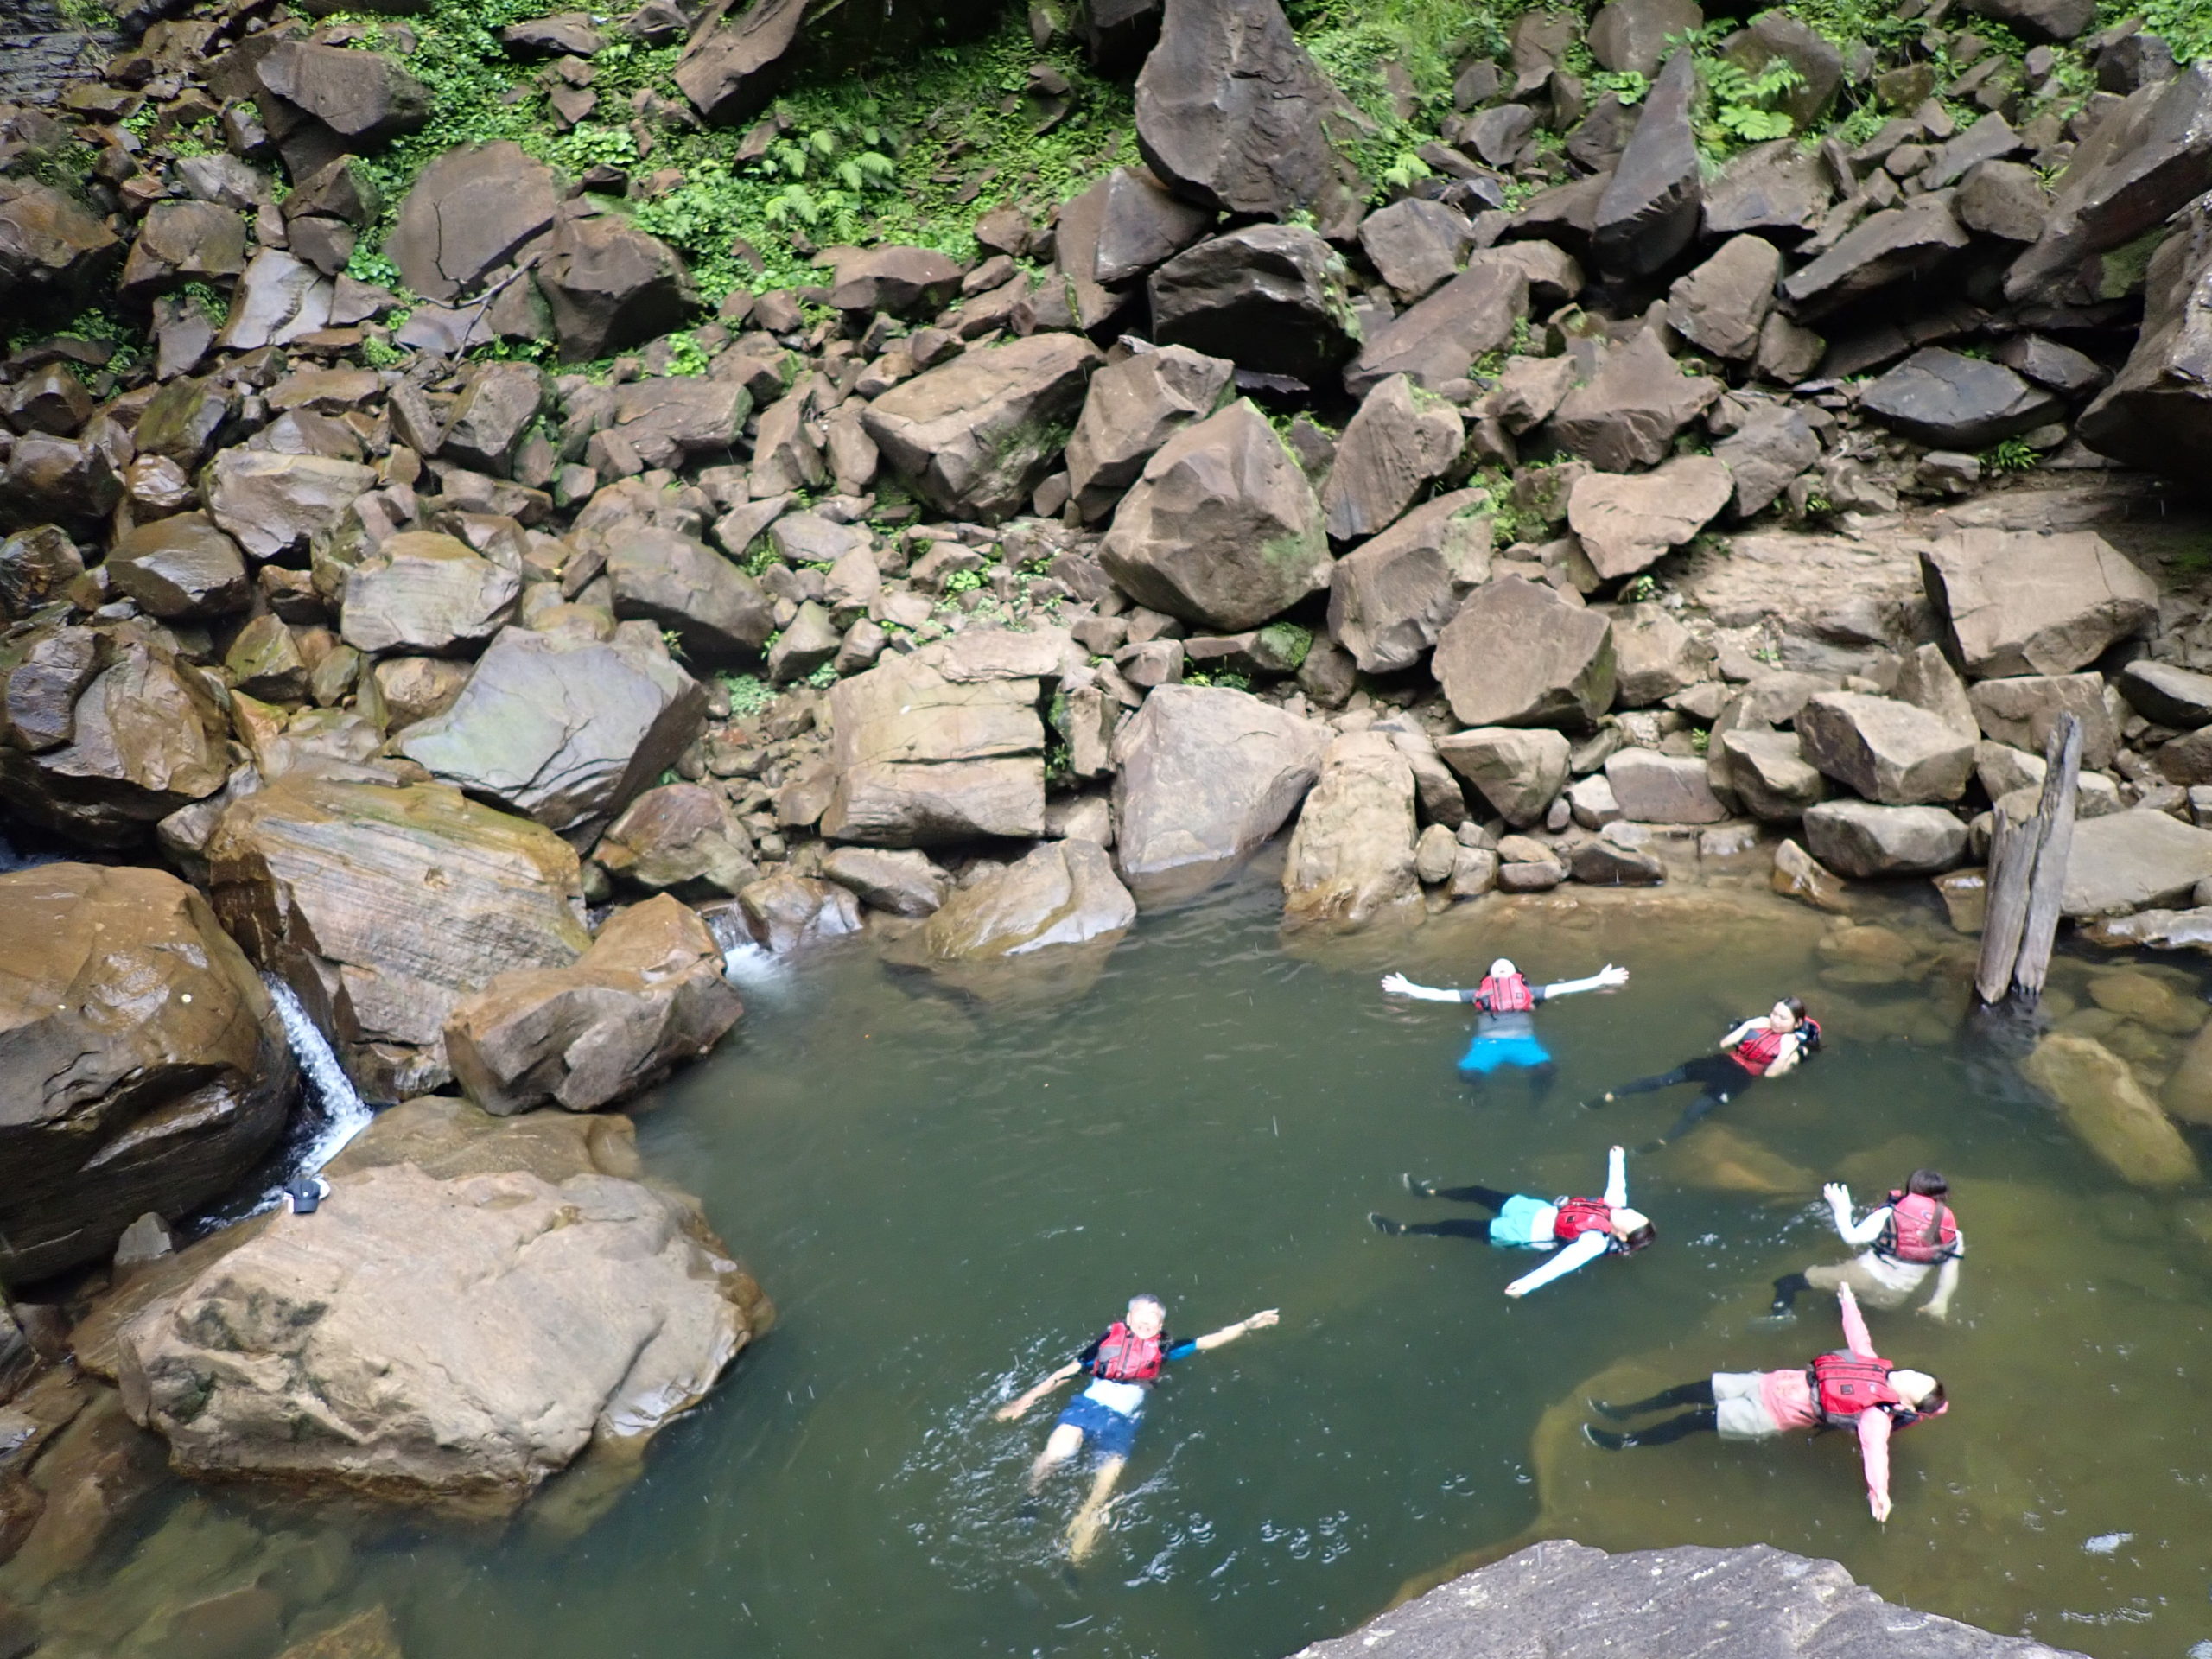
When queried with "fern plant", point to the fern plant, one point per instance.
{"points": [[1743, 99]]}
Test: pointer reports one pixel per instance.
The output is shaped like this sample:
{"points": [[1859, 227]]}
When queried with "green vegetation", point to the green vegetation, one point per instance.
{"points": [[686, 356], [749, 694], [963, 582], [1636, 590], [1228, 679], [2013, 455], [1744, 103]]}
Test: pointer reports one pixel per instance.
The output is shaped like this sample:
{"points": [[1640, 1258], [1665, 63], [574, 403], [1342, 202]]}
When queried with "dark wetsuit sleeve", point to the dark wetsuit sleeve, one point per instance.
{"points": [[1537, 993], [1176, 1350], [1088, 1358], [1474, 996]]}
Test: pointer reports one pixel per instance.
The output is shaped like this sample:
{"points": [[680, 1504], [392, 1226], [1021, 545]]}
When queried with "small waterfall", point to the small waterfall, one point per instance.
{"points": [[751, 966], [342, 1114]]}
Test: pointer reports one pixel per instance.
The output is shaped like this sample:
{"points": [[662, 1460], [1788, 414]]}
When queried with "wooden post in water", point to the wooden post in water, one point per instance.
{"points": [[2027, 880]]}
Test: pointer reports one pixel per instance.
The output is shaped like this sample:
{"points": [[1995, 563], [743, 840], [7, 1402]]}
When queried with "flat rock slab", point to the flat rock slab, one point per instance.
{"points": [[1627, 522], [2133, 860], [2018, 603], [1564, 1601], [1516, 654]]}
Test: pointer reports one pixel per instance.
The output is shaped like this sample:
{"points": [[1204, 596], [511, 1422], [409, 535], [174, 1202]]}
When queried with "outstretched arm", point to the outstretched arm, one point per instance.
{"points": [[1564, 1261], [1854, 1325], [1874, 1457], [1615, 1178], [1228, 1333], [1947, 1286], [1399, 985], [1603, 980], [1853, 1232], [1014, 1409]]}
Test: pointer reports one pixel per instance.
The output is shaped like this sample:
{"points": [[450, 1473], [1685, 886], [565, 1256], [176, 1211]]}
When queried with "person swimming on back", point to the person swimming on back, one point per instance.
{"points": [[1853, 1388], [1505, 1028], [1576, 1230], [1123, 1363], [1764, 1045], [1912, 1235]]}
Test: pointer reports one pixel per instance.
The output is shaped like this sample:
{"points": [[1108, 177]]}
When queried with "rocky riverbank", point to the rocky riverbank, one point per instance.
{"points": [[500, 512]]}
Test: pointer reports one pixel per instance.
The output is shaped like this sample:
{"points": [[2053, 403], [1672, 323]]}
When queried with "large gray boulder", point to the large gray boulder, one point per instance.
{"points": [[1723, 305], [1234, 114], [973, 436], [945, 744], [1887, 751], [2142, 162], [1948, 401], [1205, 775], [610, 285], [2167, 695], [1440, 339], [2023, 711], [1649, 212], [1350, 861], [180, 568], [1518, 654], [1140, 224], [420, 591], [1654, 655], [1131, 409], [1769, 774], [2157, 413], [2020, 602], [272, 504], [1861, 839], [1883, 248], [1631, 36], [2133, 860], [1223, 529], [1415, 245], [1518, 771], [730, 67], [1627, 522], [564, 728], [1270, 298], [1564, 1601], [680, 584], [1777, 189], [1626, 415], [1401, 440], [1654, 788], [1391, 595], [1062, 893], [142, 1064]]}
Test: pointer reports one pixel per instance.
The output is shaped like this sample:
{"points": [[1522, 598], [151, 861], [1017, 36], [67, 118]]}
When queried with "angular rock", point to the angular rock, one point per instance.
{"points": [[1887, 751], [1062, 893], [1351, 856], [1270, 298], [2103, 1104], [675, 582], [1130, 410], [142, 1065], [1860, 840], [1723, 305], [179, 239], [1440, 339], [497, 404], [180, 568], [2140, 164], [1516, 654], [2023, 711], [2166, 695], [1627, 415], [649, 993], [944, 745], [2157, 413], [1883, 248], [786, 914], [49, 479], [2004, 199], [1233, 114], [1142, 224], [728, 67], [894, 279], [35, 566], [1654, 656], [1817, 61], [49, 246], [1415, 245], [565, 728], [279, 300], [1769, 774], [1777, 189], [1223, 528], [1628, 523], [471, 211], [670, 419], [1649, 212], [272, 504], [1631, 36], [365, 97], [1401, 440], [1205, 775], [1519, 772], [609, 285], [907, 883], [678, 836], [1798, 876], [2039, 20], [1762, 455], [2133, 860], [975, 436], [1390, 596], [530, 1320], [1940, 398], [1654, 788], [2019, 602], [424, 591]]}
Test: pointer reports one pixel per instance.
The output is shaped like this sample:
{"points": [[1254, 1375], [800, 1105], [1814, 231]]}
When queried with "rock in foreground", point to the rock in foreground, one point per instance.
{"points": [[444, 1342], [1564, 1601]]}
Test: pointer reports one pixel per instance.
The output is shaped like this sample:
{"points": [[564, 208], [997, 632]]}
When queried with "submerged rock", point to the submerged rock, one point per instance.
{"points": [[2102, 1102], [1062, 893]]}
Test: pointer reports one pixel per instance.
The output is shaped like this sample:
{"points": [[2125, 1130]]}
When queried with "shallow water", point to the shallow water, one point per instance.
{"points": [[946, 1198]]}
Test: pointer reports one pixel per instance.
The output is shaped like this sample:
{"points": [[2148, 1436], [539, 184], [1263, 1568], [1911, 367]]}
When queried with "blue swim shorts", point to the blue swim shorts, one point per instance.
{"points": [[1109, 1433], [1525, 1222], [1485, 1054]]}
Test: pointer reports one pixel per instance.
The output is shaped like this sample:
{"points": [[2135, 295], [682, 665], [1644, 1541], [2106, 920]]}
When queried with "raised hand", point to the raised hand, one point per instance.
{"points": [[1838, 1195], [1610, 977], [1263, 1318]]}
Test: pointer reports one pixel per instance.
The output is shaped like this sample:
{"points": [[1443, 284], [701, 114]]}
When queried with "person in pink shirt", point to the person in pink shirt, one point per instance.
{"points": [[1853, 1388]]}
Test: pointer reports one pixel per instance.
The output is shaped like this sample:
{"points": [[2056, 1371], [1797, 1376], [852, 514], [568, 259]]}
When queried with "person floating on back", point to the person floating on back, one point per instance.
{"points": [[1505, 1032], [1853, 1388], [1765, 1046], [1123, 1363], [1576, 1230], [1911, 1236]]}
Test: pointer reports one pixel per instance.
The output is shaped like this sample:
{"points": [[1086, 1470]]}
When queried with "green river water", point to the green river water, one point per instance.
{"points": [[946, 1198]]}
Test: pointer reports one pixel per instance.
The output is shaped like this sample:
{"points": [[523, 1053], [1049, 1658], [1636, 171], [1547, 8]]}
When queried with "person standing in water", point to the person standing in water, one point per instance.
{"points": [[1123, 1363], [1505, 1028], [1764, 1045], [1853, 1388], [1576, 1230], [1911, 1236]]}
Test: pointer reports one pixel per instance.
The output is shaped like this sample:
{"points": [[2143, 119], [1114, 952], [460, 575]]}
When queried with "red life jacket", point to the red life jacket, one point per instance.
{"points": [[1508, 996], [1844, 1384], [1759, 1050], [1125, 1357], [1904, 1236], [1579, 1216]]}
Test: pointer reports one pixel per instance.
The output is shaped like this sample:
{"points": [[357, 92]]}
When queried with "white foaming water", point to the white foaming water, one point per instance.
{"points": [[756, 969], [344, 1115]]}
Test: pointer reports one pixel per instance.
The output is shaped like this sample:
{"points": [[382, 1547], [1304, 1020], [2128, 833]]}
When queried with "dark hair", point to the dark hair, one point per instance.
{"points": [[1642, 1239], [1796, 1006], [1929, 1184], [1933, 1402]]}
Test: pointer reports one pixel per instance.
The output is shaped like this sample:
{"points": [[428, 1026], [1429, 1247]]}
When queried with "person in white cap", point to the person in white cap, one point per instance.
{"points": [[1576, 1231], [1505, 1033]]}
